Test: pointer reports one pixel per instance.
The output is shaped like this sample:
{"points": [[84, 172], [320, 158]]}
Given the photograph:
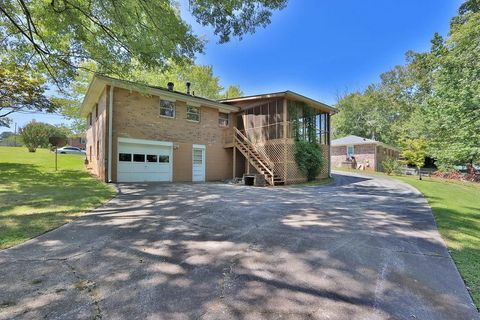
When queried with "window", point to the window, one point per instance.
{"points": [[138, 157], [193, 113], [98, 149], [350, 151], [83, 140], [152, 158], [163, 159], [223, 119], [197, 156], [127, 157], [167, 108], [96, 111]]}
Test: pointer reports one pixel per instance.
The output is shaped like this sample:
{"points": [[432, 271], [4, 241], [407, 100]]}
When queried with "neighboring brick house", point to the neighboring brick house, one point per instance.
{"points": [[144, 133], [368, 154], [78, 142]]}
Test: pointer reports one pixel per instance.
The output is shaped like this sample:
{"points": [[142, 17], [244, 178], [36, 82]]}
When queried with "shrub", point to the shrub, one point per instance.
{"points": [[309, 159], [390, 166], [35, 134]]}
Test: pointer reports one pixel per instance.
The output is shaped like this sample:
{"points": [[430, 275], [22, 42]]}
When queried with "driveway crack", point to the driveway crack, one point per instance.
{"points": [[89, 287]]}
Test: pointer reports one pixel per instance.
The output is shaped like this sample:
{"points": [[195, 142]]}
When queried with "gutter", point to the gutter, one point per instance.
{"points": [[110, 125]]}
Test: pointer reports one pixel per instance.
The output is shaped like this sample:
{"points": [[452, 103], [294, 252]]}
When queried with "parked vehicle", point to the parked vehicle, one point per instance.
{"points": [[71, 150]]}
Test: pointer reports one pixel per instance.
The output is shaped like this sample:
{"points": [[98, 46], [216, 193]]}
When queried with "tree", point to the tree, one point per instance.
{"points": [[35, 134], [233, 91], [203, 82], [414, 151], [21, 90], [453, 113], [57, 36]]}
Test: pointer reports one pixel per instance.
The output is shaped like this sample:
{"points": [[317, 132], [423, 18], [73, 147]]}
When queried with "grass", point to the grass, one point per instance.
{"points": [[34, 198], [456, 208]]}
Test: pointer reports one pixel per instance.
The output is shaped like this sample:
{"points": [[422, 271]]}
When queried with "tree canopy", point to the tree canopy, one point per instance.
{"points": [[21, 90], [435, 96], [57, 36]]}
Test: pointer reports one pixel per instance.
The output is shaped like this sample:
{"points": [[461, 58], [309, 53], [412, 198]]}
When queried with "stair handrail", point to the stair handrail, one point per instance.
{"points": [[263, 154], [249, 152]]}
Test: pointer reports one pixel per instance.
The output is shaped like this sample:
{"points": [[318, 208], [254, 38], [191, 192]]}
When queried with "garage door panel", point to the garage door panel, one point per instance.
{"points": [[144, 162]]}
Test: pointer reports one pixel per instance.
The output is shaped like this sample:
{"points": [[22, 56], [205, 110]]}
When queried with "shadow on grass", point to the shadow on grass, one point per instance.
{"points": [[33, 201]]}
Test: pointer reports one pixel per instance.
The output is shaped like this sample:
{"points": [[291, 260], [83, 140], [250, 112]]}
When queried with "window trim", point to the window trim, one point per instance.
{"points": [[353, 150], [174, 109], [199, 114], [228, 120]]}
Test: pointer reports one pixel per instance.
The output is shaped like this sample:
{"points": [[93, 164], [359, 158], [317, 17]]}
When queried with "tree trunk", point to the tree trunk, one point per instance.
{"points": [[419, 174]]}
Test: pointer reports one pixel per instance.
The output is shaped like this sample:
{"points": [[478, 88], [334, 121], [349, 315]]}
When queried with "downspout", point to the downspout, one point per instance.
{"points": [[110, 109]]}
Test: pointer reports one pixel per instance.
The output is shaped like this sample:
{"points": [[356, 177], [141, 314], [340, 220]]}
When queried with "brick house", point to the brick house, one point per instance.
{"points": [[368, 154], [144, 133], [78, 142]]}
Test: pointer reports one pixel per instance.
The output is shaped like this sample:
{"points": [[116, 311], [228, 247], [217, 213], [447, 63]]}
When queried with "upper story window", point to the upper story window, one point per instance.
{"points": [[223, 119], [193, 113], [167, 108]]}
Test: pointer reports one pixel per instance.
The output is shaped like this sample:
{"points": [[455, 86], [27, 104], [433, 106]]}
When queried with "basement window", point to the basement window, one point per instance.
{"points": [[167, 109], [223, 119], [193, 114]]}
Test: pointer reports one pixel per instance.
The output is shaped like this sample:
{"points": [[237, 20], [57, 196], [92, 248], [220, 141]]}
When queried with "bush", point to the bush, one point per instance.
{"points": [[37, 134], [390, 166], [309, 159]]}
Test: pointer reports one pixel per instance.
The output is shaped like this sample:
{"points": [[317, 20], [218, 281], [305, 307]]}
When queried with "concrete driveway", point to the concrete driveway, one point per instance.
{"points": [[361, 248]]}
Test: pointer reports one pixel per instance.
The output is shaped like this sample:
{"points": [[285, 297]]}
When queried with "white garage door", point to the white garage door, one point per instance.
{"points": [[144, 160]]}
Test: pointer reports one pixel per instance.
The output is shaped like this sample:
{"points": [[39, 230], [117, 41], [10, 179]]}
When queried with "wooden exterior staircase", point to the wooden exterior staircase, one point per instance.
{"points": [[256, 158]]}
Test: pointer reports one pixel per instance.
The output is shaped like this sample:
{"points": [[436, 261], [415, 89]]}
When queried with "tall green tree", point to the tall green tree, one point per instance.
{"points": [[453, 113], [435, 96], [57, 36], [232, 91]]}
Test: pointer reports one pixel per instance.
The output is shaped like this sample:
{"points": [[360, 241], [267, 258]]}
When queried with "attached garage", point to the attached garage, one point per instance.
{"points": [[144, 160]]}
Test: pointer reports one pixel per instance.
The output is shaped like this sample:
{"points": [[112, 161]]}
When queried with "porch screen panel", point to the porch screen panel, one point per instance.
{"points": [[264, 122]]}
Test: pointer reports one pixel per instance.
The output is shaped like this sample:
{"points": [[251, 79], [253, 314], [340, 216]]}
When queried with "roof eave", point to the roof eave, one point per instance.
{"points": [[98, 83]]}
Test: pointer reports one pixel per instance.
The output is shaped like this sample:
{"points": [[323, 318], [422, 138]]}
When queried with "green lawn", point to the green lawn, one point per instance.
{"points": [[34, 198], [456, 207]]}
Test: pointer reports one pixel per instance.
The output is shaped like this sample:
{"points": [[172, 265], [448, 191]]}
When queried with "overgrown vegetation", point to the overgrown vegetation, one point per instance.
{"points": [[34, 198], [308, 154], [434, 96], [390, 166], [309, 159]]}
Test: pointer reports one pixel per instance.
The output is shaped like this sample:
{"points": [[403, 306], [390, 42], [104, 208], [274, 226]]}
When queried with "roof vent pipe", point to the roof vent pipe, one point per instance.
{"points": [[170, 86], [188, 87]]}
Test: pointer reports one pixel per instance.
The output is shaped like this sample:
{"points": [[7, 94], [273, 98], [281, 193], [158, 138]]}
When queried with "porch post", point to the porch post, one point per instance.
{"points": [[285, 139], [234, 161]]}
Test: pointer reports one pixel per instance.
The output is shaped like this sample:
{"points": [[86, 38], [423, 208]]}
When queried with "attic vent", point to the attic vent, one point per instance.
{"points": [[170, 86]]}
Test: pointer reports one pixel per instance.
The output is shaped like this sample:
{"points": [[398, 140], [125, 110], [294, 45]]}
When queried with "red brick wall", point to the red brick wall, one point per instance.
{"points": [[364, 154]]}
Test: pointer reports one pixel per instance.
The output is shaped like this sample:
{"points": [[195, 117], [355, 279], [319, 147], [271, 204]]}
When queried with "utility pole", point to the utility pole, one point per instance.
{"points": [[15, 136]]}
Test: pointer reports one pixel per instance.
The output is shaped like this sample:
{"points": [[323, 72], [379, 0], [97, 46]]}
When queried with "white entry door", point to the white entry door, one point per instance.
{"points": [[198, 170], [144, 160]]}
